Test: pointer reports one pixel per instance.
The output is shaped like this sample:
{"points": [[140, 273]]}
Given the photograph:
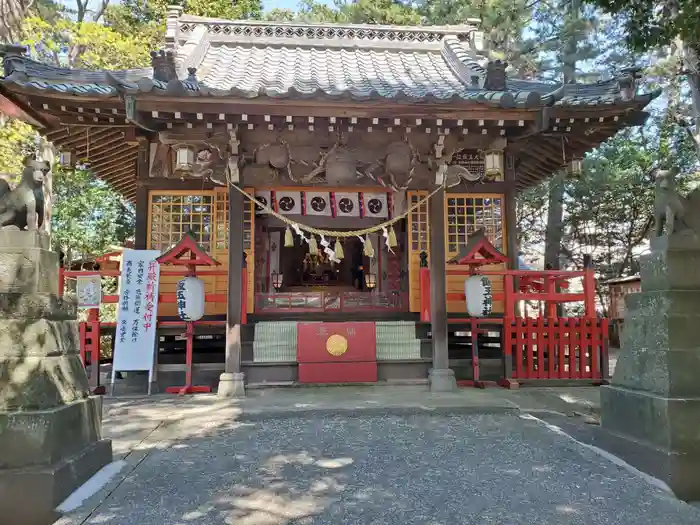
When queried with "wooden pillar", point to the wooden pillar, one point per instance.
{"points": [[510, 214], [511, 223], [142, 166], [441, 377], [231, 382]]}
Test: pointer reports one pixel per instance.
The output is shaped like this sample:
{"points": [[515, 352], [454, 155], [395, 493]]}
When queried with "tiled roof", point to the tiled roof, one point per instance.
{"points": [[255, 59], [335, 73]]}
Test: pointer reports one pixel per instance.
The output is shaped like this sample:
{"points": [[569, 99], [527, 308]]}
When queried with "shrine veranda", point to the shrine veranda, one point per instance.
{"points": [[338, 128]]}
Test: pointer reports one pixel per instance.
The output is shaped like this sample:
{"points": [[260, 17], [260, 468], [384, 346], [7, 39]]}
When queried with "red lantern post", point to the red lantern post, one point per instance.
{"points": [[189, 254]]}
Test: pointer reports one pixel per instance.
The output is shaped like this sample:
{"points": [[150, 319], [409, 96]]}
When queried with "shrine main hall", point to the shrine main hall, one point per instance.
{"points": [[346, 178]]}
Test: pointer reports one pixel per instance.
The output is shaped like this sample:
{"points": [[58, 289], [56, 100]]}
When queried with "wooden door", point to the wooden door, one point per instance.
{"points": [[418, 241]]}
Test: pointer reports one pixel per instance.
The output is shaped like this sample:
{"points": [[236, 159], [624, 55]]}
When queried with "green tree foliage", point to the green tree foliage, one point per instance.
{"points": [[670, 31], [386, 12], [502, 21], [145, 19], [89, 45], [16, 141], [88, 216], [650, 24]]}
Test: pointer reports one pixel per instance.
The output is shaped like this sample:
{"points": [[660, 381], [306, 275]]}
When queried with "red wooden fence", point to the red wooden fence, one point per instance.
{"points": [[543, 348], [557, 348], [549, 286]]}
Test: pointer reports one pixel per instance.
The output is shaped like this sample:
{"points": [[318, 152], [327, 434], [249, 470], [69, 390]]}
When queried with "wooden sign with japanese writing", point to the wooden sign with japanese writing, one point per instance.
{"points": [[136, 316], [337, 352]]}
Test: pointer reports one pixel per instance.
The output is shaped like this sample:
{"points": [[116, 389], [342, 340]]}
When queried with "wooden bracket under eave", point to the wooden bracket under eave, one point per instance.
{"points": [[14, 108]]}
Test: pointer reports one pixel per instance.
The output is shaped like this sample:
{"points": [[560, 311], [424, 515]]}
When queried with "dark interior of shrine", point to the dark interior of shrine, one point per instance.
{"points": [[303, 270]]}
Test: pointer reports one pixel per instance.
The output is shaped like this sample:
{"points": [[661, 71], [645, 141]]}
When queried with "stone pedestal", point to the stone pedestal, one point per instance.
{"points": [[50, 427], [231, 385], [651, 410], [442, 380]]}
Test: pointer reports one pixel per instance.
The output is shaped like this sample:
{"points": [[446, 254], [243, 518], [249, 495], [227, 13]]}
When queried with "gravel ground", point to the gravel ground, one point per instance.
{"points": [[433, 470]]}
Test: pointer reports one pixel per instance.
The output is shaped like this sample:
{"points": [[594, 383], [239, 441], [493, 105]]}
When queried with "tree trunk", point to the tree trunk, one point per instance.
{"points": [[694, 83], [11, 14], [555, 227], [555, 210]]}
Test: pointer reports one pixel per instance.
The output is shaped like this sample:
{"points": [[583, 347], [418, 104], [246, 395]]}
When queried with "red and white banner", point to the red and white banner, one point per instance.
{"points": [[318, 203], [265, 197], [375, 205], [288, 202], [347, 204]]}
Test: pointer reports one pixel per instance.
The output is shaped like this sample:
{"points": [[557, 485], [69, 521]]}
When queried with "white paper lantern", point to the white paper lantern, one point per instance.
{"points": [[190, 299], [477, 290]]}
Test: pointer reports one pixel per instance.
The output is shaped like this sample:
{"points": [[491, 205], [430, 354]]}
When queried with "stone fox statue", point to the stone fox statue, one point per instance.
{"points": [[672, 211], [23, 207]]}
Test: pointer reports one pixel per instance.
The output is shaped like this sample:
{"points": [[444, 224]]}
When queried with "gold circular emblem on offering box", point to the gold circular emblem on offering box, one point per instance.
{"points": [[336, 345]]}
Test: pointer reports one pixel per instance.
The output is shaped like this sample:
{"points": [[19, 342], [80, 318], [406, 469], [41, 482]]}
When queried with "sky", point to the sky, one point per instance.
{"points": [[286, 4], [267, 4]]}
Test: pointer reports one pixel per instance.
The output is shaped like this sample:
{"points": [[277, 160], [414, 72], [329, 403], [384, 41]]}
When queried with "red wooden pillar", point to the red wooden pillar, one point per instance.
{"points": [[551, 290], [509, 322], [589, 293], [508, 296]]}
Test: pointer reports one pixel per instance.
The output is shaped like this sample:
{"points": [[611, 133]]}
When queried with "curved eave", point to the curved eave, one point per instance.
{"points": [[500, 99], [38, 87], [111, 158], [11, 106], [541, 156]]}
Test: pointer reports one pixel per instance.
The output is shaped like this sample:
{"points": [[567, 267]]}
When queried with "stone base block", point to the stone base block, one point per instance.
{"points": [[17, 239], [38, 337], [30, 495], [38, 383], [44, 437], [656, 435], [442, 380], [231, 385], [28, 270], [26, 306]]}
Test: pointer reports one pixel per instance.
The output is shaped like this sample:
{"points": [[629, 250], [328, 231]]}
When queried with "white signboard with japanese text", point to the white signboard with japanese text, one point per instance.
{"points": [[89, 291], [136, 315]]}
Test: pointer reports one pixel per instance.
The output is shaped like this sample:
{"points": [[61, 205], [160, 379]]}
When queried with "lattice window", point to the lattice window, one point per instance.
{"points": [[419, 225], [222, 211], [468, 213], [174, 215], [221, 220], [248, 218]]}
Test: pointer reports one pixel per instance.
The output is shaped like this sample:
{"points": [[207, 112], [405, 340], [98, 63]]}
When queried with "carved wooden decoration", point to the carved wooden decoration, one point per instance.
{"points": [[210, 155]]}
